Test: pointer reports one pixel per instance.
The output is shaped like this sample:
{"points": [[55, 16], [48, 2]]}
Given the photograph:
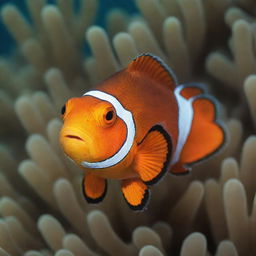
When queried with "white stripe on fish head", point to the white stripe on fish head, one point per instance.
{"points": [[127, 117]]}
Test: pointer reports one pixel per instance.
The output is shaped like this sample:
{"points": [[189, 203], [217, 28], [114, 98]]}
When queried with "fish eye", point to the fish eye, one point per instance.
{"points": [[110, 115], [63, 110], [105, 114]]}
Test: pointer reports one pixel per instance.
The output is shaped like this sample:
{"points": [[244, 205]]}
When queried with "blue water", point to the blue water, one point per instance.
{"points": [[7, 43]]}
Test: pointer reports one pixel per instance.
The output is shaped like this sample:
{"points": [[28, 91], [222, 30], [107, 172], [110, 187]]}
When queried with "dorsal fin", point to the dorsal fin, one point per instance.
{"points": [[154, 68]]}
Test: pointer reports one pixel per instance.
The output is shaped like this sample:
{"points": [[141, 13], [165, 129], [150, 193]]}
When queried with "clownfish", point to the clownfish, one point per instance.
{"points": [[136, 126]]}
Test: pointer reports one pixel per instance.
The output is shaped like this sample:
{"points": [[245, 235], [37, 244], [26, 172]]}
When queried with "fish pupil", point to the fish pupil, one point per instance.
{"points": [[109, 115], [63, 110]]}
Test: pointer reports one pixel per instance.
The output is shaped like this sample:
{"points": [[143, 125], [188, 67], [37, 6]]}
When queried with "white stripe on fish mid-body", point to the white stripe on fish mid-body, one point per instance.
{"points": [[185, 118]]}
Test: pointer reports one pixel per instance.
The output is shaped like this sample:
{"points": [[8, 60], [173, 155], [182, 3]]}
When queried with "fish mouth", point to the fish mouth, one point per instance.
{"points": [[74, 137]]}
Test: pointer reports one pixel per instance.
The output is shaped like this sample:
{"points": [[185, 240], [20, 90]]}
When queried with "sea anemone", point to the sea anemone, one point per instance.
{"points": [[212, 211]]}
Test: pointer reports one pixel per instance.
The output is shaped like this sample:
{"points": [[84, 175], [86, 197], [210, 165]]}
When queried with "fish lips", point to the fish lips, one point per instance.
{"points": [[74, 137]]}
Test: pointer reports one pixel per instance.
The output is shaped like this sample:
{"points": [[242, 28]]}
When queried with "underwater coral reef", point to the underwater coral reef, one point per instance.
{"points": [[211, 211]]}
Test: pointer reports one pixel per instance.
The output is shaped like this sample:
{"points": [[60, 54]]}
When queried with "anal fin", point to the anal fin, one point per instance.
{"points": [[180, 169]]}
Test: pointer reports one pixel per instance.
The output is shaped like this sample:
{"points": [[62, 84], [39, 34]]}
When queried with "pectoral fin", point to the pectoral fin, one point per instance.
{"points": [[153, 155], [135, 193], [94, 188]]}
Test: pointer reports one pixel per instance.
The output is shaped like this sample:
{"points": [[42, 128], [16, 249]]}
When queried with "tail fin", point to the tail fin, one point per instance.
{"points": [[207, 134]]}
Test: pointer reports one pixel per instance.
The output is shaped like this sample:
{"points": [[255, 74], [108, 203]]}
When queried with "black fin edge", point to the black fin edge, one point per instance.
{"points": [[144, 202], [96, 200], [164, 170]]}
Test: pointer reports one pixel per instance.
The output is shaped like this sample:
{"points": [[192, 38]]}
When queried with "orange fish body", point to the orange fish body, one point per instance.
{"points": [[137, 125]]}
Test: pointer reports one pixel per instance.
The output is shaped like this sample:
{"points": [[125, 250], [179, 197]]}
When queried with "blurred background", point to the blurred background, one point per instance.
{"points": [[6, 42]]}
